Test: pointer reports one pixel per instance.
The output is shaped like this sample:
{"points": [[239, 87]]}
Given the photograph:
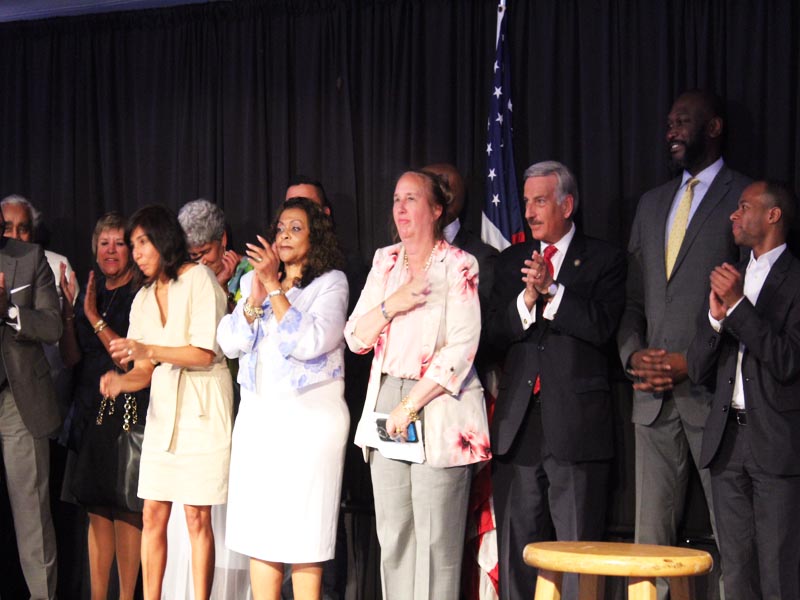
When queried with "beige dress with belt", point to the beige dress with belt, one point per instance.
{"points": [[187, 438]]}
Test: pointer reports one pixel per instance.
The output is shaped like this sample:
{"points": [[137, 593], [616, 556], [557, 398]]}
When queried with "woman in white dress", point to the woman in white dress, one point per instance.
{"points": [[171, 341], [291, 430]]}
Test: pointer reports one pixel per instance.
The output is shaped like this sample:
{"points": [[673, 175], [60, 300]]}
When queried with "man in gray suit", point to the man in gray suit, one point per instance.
{"points": [[680, 233], [29, 317]]}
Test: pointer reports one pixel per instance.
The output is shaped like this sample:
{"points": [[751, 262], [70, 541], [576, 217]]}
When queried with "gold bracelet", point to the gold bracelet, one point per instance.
{"points": [[100, 325], [254, 312], [410, 410]]}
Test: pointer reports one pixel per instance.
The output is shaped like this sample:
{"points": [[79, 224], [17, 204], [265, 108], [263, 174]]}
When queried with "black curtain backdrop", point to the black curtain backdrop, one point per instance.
{"points": [[226, 101]]}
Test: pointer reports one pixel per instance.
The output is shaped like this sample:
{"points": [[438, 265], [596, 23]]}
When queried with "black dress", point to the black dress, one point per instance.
{"points": [[95, 476]]}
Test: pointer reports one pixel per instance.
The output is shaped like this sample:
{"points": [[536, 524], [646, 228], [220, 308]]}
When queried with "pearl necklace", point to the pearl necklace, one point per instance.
{"points": [[427, 262]]}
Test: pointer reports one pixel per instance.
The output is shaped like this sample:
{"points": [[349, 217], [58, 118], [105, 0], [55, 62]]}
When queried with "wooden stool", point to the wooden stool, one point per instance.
{"points": [[641, 563]]}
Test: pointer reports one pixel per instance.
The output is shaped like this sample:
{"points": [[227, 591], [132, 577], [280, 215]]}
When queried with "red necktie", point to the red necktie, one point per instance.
{"points": [[548, 255]]}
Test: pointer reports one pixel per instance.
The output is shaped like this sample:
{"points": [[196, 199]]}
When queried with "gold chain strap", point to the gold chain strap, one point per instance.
{"points": [[131, 417], [107, 401]]}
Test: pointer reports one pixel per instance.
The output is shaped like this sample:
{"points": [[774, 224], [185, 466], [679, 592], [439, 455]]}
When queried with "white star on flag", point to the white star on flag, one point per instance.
{"points": [[488, 149], [495, 199], [492, 174], [499, 118], [497, 92]]}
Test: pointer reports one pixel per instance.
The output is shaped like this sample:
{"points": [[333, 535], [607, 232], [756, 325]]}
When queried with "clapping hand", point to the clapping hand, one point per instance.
{"points": [[90, 299], [266, 261], [230, 260], [726, 290], [69, 286]]}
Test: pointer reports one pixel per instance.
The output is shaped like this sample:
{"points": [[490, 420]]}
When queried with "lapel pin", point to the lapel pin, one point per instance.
{"points": [[577, 262]]}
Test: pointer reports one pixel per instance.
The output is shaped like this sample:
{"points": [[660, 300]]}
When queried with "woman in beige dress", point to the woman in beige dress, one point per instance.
{"points": [[172, 345]]}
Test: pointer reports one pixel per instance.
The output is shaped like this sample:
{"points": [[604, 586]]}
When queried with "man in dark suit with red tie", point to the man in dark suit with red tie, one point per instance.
{"points": [[552, 433], [747, 348]]}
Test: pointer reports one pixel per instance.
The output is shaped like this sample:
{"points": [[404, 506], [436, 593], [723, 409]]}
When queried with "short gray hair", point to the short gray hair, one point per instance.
{"points": [[202, 222], [566, 186], [36, 215]]}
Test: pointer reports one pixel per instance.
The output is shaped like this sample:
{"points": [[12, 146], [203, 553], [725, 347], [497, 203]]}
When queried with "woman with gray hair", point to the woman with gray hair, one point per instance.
{"points": [[100, 315], [203, 222]]}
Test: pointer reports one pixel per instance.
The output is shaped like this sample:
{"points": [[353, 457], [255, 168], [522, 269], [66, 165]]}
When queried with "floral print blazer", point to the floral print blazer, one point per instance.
{"points": [[456, 430]]}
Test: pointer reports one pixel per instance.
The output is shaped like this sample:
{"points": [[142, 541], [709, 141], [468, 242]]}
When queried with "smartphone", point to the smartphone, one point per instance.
{"points": [[384, 435]]}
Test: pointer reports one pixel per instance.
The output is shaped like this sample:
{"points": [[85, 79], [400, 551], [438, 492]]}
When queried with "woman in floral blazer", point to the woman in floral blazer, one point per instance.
{"points": [[419, 311]]}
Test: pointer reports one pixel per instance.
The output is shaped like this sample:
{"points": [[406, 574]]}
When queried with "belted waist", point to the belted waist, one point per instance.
{"points": [[738, 415]]}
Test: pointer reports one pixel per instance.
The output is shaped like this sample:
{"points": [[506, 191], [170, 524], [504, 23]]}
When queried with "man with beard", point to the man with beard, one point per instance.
{"points": [[680, 233]]}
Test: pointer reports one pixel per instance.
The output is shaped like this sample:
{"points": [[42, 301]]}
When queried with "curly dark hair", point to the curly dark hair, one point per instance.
{"points": [[438, 194], [165, 233], [324, 253]]}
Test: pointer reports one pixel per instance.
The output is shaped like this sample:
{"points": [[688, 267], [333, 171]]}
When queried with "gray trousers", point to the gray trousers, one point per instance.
{"points": [[27, 463], [666, 451], [420, 514]]}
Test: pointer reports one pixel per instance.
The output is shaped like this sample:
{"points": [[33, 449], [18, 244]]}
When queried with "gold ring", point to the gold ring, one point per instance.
{"points": [[130, 352]]}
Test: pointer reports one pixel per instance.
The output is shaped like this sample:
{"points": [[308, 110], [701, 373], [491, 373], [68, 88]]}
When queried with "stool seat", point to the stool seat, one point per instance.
{"points": [[642, 563]]}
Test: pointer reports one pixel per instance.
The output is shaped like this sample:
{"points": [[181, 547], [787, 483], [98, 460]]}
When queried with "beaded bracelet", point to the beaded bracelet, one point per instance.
{"points": [[100, 325]]}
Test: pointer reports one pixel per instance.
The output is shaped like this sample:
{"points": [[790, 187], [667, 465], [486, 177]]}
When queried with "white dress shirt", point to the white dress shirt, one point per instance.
{"points": [[705, 178], [528, 317], [754, 277], [451, 230]]}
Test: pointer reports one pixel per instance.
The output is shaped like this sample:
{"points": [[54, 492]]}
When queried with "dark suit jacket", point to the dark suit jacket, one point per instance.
{"points": [[770, 331], [28, 372], [663, 314], [570, 352]]}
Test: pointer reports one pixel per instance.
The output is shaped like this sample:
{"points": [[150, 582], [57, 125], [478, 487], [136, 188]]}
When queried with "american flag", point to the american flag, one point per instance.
{"points": [[501, 227], [501, 224]]}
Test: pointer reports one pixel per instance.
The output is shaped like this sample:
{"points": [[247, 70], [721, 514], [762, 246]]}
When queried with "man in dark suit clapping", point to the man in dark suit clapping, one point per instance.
{"points": [[747, 347], [552, 434]]}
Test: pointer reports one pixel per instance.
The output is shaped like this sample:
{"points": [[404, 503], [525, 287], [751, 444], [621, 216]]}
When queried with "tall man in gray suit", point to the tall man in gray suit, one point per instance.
{"points": [[29, 317], [680, 233]]}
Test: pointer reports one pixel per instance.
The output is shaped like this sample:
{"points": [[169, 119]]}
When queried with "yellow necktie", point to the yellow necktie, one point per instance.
{"points": [[679, 223]]}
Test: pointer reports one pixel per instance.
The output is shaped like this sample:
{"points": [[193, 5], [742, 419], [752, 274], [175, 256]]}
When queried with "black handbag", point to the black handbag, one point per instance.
{"points": [[129, 454]]}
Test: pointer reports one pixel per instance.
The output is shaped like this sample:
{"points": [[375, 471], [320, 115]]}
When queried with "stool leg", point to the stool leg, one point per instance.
{"points": [[548, 585], [592, 587], [681, 588], [641, 588]]}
